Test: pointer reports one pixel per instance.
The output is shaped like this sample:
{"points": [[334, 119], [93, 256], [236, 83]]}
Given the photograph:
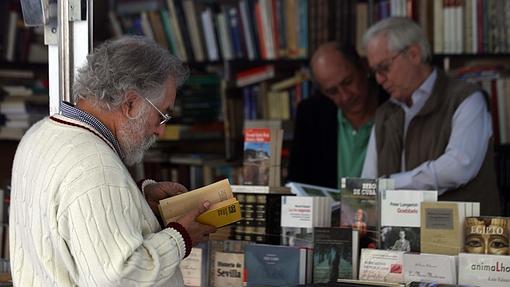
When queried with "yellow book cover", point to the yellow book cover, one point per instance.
{"points": [[441, 231], [221, 213], [175, 206]]}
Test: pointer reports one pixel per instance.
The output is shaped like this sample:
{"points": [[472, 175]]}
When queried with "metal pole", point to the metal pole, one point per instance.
{"points": [[65, 52]]}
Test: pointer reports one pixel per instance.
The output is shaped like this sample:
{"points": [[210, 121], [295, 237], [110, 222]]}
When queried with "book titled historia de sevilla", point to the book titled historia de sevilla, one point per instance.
{"points": [[224, 207]]}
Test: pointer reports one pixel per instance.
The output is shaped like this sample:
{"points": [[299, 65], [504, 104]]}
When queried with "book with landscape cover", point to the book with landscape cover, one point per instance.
{"points": [[262, 152], [224, 207]]}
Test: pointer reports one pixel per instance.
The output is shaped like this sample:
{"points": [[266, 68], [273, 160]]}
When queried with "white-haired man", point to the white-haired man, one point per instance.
{"points": [[77, 217], [435, 132]]}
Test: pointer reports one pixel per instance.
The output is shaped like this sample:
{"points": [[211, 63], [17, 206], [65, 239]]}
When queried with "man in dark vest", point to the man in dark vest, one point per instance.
{"points": [[333, 126], [435, 132]]}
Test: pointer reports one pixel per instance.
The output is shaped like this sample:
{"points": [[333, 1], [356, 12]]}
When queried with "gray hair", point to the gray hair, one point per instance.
{"points": [[129, 63], [400, 32]]}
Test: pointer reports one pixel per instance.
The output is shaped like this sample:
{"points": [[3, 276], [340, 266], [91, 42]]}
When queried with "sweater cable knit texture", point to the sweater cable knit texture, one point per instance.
{"points": [[78, 219]]}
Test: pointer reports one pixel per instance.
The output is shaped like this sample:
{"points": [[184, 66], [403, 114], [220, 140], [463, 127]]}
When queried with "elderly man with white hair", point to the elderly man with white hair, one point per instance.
{"points": [[435, 132], [77, 216]]}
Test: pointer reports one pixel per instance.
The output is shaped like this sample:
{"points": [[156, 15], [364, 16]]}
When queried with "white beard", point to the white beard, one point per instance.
{"points": [[132, 141]]}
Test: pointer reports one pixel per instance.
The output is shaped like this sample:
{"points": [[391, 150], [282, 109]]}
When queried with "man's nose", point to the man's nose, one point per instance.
{"points": [[160, 131], [343, 95], [380, 78]]}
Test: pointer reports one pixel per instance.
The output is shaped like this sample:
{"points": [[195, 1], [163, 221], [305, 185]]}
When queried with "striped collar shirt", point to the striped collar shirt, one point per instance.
{"points": [[70, 111]]}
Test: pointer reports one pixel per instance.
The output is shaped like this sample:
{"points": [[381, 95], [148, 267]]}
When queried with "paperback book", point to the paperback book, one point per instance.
{"points": [[226, 262], [262, 156], [359, 202], [335, 255], [484, 270], [400, 218], [224, 207], [381, 265], [276, 265], [438, 268]]}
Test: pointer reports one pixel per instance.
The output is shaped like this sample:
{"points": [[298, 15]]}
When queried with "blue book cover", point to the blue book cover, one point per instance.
{"points": [[275, 265]]}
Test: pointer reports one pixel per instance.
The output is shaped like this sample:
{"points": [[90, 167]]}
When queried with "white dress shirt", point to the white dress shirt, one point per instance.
{"points": [[464, 154]]}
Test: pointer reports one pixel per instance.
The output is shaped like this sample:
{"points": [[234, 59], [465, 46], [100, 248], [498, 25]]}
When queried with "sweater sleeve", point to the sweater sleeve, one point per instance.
{"points": [[104, 234]]}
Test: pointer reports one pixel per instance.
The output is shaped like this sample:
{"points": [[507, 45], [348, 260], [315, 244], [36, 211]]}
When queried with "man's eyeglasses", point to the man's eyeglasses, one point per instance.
{"points": [[384, 67], [164, 117]]}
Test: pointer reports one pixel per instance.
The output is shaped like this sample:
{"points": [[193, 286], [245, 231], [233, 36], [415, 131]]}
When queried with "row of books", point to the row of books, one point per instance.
{"points": [[20, 107], [453, 26], [277, 100], [245, 263], [19, 43], [494, 79], [335, 251], [273, 29], [197, 31]]}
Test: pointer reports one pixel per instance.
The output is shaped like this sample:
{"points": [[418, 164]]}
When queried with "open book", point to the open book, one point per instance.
{"points": [[224, 207]]}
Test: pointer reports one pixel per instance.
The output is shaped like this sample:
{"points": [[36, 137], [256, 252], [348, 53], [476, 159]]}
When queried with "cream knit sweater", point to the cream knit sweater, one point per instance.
{"points": [[77, 217]]}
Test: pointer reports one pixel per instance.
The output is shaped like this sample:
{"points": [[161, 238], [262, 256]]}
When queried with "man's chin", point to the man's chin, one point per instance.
{"points": [[132, 160]]}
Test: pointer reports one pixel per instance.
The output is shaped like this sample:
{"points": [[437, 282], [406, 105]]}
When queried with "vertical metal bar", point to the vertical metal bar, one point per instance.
{"points": [[90, 19], [65, 50]]}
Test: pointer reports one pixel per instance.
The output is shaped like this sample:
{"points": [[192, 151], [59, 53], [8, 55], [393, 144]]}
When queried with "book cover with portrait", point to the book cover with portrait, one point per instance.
{"points": [[359, 202], [400, 218]]}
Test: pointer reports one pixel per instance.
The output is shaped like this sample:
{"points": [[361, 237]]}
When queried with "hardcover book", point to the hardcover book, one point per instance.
{"points": [[442, 225], [487, 235], [400, 218]]}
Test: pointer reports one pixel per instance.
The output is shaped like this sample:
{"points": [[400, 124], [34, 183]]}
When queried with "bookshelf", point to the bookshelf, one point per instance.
{"points": [[460, 32], [216, 150]]}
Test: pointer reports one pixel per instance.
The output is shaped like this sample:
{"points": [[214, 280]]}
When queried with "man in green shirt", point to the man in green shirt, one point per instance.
{"points": [[332, 128]]}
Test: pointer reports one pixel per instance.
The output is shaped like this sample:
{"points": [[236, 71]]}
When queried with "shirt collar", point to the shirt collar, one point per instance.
{"points": [[69, 110]]}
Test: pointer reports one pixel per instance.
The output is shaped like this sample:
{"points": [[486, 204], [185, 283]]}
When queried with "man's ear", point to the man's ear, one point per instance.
{"points": [[131, 107], [414, 53]]}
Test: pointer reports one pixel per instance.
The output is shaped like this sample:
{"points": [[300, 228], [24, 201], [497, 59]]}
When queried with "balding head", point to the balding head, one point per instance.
{"points": [[339, 75], [332, 51]]}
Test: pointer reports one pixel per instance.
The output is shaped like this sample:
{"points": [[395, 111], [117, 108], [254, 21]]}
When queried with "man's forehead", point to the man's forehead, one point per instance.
{"points": [[377, 49]]}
